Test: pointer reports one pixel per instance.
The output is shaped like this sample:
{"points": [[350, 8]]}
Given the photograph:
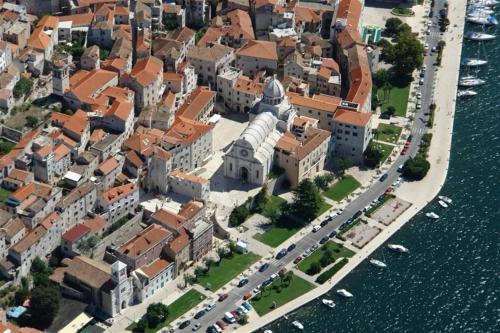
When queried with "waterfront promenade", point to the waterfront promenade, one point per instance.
{"points": [[418, 193]]}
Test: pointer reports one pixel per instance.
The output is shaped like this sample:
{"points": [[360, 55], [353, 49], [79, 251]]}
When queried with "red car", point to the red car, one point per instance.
{"points": [[297, 260], [388, 190], [247, 296], [223, 297], [235, 314], [403, 152], [221, 324], [282, 271]]}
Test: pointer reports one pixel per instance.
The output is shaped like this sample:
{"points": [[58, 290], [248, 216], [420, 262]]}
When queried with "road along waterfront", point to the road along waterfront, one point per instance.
{"points": [[419, 193]]}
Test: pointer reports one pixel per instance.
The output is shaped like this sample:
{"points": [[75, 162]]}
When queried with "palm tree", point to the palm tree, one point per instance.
{"points": [[387, 90]]}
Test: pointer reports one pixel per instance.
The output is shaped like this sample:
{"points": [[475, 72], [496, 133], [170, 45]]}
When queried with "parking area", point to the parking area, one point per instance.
{"points": [[390, 210], [361, 234]]}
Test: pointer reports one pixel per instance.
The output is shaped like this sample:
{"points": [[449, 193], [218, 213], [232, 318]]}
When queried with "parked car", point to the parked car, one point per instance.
{"points": [[316, 228], [332, 234], [291, 247], [247, 305], [283, 270], [263, 267], [230, 317], [421, 82], [235, 314], [222, 297], [324, 240], [266, 283], [400, 167], [199, 314], [306, 253], [324, 222], [221, 324], [196, 327], [314, 247], [384, 177], [209, 306], [281, 254], [242, 282], [248, 295], [357, 214], [297, 260], [184, 324], [273, 277]]}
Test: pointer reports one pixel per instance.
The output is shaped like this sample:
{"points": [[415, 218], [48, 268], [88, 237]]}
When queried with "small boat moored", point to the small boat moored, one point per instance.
{"points": [[344, 293], [378, 263], [268, 331], [474, 62], [478, 36], [443, 204], [328, 302], [298, 325], [466, 93], [398, 248], [432, 215], [445, 199], [470, 81]]}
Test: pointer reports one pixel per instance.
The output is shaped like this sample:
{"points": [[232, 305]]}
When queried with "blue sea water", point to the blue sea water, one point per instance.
{"points": [[450, 281]]}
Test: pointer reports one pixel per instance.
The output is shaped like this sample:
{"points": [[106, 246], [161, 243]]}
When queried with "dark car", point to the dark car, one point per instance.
{"points": [[266, 282], [357, 214], [242, 282], [211, 329], [384, 177], [184, 324], [281, 254], [431, 13], [199, 314], [223, 297], [323, 223], [332, 234], [324, 240], [291, 247], [263, 267]]}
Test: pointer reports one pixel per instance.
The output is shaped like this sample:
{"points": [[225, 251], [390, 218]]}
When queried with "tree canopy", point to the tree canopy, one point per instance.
{"points": [[307, 200], [156, 313], [22, 87], [391, 26], [416, 168], [372, 155], [44, 304]]}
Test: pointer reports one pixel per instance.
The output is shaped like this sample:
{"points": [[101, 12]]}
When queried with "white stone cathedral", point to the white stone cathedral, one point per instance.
{"points": [[251, 157]]}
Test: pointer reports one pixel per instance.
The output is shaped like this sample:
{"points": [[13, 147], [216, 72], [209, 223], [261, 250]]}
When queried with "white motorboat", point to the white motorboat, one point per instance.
{"points": [[328, 302], [268, 331], [474, 11], [482, 20], [479, 36], [470, 82], [298, 325], [474, 62], [378, 263], [432, 215], [443, 204], [488, 3], [398, 248], [445, 199], [466, 93], [344, 293]]}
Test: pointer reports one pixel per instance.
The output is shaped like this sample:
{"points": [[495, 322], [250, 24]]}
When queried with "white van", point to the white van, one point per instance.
{"points": [[228, 316]]}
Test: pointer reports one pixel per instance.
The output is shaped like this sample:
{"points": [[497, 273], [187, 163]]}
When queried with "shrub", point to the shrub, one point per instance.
{"points": [[416, 168], [315, 268], [329, 273], [22, 87]]}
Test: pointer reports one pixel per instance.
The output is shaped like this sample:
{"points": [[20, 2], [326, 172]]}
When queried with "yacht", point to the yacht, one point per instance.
{"points": [[478, 36], [328, 302], [345, 293], [475, 11], [470, 81], [443, 204], [398, 248], [378, 263], [432, 215], [486, 3], [473, 62], [268, 331], [298, 325], [466, 93], [483, 20], [445, 199]]}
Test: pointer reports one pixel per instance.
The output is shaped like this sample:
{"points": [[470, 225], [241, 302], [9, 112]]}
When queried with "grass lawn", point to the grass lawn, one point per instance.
{"points": [[323, 208], [337, 249], [278, 233], [396, 97], [388, 133], [179, 307], [4, 194], [228, 268], [263, 302], [272, 206], [342, 188], [386, 151]]}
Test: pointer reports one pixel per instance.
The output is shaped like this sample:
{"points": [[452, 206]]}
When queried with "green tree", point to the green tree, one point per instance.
{"points": [[380, 77], [315, 268], [391, 110], [261, 198], [416, 168], [404, 28], [87, 245], [343, 164], [31, 121], [323, 181], [307, 200], [40, 272], [372, 155], [238, 215], [156, 313], [408, 54], [5, 147], [44, 304], [391, 26], [325, 260], [287, 280], [22, 87], [242, 320], [141, 326], [22, 292]]}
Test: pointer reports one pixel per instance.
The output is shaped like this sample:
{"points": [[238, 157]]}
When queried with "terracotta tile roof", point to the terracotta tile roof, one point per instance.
{"points": [[172, 76], [49, 220], [19, 175], [180, 242], [240, 25], [145, 241], [78, 20], [116, 193], [191, 178], [214, 53], [77, 193], [211, 36], [147, 70], [171, 8], [300, 150], [140, 142], [307, 15], [248, 86], [133, 158], [325, 73], [61, 151], [350, 10], [39, 40], [13, 227], [44, 151], [183, 34], [84, 85], [78, 122], [109, 165], [121, 110], [82, 268], [185, 131], [120, 10], [48, 21], [95, 224], [114, 65], [259, 49], [330, 64], [97, 135], [352, 117], [261, 3], [35, 188], [196, 103], [169, 219], [155, 268], [161, 153], [308, 102], [75, 233], [189, 210], [360, 76], [328, 98], [34, 236], [348, 38]]}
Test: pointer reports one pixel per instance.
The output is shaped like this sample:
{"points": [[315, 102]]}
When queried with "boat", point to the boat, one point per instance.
{"points": [[465, 93], [487, 3], [482, 20], [479, 36], [268, 331], [475, 10], [470, 81], [298, 325], [344, 293], [474, 62], [443, 204], [398, 248], [328, 302], [432, 215], [378, 263], [445, 199]]}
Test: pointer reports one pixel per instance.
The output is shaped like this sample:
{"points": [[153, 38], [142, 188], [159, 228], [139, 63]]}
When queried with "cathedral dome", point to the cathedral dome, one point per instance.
{"points": [[273, 92]]}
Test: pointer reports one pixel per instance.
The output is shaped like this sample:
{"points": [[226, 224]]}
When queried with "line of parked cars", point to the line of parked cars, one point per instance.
{"points": [[230, 317]]}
